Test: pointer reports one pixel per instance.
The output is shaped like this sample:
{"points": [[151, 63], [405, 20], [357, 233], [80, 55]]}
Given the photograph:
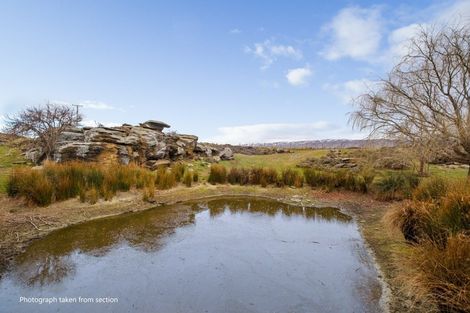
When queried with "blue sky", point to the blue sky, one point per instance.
{"points": [[227, 71]]}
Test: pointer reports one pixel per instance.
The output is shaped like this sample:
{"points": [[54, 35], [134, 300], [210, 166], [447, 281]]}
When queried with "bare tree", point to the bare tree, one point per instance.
{"points": [[43, 123], [426, 97]]}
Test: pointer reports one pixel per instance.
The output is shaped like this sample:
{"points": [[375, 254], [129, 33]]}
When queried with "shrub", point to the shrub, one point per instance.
{"points": [[396, 186], [431, 189], [188, 179], [217, 174]]}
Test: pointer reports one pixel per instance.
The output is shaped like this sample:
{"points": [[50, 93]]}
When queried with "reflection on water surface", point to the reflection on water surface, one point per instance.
{"points": [[220, 255]]}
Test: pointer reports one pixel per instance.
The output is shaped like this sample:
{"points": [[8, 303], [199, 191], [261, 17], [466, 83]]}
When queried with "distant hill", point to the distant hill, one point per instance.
{"points": [[330, 144]]}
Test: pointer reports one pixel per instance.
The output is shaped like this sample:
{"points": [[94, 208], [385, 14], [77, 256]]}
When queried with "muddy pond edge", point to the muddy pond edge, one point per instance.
{"points": [[32, 223]]}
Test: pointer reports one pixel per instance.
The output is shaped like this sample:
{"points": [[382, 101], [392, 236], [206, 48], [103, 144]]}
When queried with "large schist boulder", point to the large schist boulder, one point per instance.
{"points": [[145, 144]]}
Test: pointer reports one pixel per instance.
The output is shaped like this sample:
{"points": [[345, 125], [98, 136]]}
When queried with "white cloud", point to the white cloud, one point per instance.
{"points": [[268, 52], [349, 90], [298, 76], [399, 42], [399, 39], [266, 133], [93, 123], [96, 105], [235, 31], [458, 12], [356, 33]]}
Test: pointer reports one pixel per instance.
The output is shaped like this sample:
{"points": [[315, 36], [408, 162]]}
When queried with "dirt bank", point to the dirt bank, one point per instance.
{"points": [[20, 224]]}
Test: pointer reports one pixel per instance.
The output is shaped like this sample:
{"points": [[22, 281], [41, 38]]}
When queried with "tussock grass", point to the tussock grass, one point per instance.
{"points": [[437, 222], [431, 189], [217, 174], [291, 177], [178, 170], [238, 176], [188, 179], [396, 186], [414, 219], [57, 182], [339, 179], [440, 275], [165, 179]]}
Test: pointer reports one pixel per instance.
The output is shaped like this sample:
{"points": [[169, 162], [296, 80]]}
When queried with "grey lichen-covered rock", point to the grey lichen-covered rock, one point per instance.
{"points": [[86, 151], [34, 155], [155, 125], [145, 144], [226, 154], [155, 164]]}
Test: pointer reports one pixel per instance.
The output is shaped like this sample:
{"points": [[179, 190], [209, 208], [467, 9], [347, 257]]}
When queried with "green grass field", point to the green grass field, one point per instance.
{"points": [[8, 157], [290, 160], [451, 173], [277, 161]]}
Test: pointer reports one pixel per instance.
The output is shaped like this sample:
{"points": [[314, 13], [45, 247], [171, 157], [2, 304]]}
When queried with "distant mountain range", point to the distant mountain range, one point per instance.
{"points": [[330, 143]]}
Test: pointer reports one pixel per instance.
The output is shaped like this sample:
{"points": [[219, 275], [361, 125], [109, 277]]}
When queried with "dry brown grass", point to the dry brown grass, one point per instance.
{"points": [[57, 182], [436, 269], [217, 174], [439, 275]]}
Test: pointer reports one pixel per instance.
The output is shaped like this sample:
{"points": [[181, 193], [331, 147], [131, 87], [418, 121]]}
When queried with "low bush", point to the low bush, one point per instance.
{"points": [[217, 174]]}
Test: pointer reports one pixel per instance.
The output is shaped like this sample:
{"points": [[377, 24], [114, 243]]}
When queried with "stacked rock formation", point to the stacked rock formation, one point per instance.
{"points": [[145, 144]]}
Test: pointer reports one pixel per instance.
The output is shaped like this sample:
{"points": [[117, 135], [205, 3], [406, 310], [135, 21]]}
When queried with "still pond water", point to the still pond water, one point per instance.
{"points": [[220, 255]]}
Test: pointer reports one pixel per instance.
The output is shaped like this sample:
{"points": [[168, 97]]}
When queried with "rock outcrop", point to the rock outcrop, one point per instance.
{"points": [[145, 144]]}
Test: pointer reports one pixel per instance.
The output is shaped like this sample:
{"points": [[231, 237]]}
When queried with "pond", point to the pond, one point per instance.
{"points": [[217, 255]]}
